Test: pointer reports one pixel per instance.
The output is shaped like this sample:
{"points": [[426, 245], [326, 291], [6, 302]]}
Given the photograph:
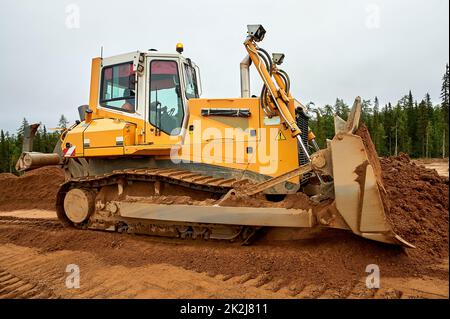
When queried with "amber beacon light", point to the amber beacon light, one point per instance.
{"points": [[179, 48]]}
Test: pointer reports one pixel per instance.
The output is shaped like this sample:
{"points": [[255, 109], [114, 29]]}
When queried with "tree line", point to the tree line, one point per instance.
{"points": [[415, 127], [11, 144]]}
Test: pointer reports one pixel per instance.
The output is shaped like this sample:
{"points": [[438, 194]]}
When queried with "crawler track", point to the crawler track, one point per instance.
{"points": [[201, 185], [183, 178]]}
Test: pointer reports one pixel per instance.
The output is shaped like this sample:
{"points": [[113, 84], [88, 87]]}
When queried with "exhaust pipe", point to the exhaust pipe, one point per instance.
{"points": [[245, 77], [29, 131]]}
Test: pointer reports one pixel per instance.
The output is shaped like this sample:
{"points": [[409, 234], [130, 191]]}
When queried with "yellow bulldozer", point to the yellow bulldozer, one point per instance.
{"points": [[146, 138]]}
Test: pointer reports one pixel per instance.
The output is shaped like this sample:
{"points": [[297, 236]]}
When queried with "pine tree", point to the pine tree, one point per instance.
{"points": [[411, 113], [389, 128], [430, 127], [341, 109], [16, 151], [376, 128], [324, 128], [422, 125], [328, 121], [401, 129], [3, 153], [22, 127], [366, 113], [7, 145], [63, 122], [437, 132], [444, 113], [46, 141]]}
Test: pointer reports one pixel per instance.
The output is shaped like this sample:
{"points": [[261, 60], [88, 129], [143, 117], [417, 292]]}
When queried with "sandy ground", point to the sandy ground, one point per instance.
{"points": [[35, 251], [29, 270], [31, 213], [440, 165]]}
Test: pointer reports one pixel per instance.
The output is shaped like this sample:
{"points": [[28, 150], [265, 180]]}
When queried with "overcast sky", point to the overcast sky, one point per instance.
{"points": [[334, 48]]}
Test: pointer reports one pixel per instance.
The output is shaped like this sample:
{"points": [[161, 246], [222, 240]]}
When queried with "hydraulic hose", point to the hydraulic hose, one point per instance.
{"points": [[266, 62], [269, 65], [286, 79], [263, 101]]}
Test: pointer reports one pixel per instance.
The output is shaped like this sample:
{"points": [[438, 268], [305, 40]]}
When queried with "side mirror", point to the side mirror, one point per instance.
{"points": [[256, 31]]}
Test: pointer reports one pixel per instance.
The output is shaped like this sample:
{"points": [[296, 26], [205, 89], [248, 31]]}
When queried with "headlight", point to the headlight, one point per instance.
{"points": [[256, 31]]}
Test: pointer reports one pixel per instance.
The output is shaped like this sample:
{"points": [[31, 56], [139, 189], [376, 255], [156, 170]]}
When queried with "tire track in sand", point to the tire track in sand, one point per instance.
{"points": [[35, 270]]}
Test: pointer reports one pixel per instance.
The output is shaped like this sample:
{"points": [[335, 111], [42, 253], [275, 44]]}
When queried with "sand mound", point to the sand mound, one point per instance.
{"points": [[33, 190], [415, 201], [5, 176], [417, 204]]}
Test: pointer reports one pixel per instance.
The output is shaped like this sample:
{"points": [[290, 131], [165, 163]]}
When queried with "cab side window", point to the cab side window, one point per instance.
{"points": [[166, 102], [191, 82], [118, 87]]}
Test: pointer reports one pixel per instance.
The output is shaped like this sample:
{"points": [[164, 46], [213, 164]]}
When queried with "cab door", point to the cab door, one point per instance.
{"points": [[166, 111]]}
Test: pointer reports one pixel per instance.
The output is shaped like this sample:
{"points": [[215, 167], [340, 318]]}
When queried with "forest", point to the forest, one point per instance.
{"points": [[413, 125]]}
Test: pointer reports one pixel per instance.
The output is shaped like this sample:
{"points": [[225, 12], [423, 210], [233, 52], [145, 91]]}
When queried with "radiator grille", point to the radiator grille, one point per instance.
{"points": [[302, 122]]}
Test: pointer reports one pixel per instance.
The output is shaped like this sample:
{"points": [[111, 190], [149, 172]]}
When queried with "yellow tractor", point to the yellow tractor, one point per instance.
{"points": [[149, 156]]}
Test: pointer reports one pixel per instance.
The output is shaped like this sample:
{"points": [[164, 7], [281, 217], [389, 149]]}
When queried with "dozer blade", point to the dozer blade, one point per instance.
{"points": [[358, 187]]}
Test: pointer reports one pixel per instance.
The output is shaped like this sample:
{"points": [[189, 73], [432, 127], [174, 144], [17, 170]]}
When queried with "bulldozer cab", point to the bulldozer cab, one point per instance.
{"points": [[151, 88]]}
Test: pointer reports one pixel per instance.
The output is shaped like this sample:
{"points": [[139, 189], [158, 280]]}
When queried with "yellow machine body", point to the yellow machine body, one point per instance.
{"points": [[109, 133]]}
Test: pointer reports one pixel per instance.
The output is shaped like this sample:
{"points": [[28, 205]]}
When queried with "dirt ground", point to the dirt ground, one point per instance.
{"points": [[34, 254], [35, 250], [438, 164], [33, 190]]}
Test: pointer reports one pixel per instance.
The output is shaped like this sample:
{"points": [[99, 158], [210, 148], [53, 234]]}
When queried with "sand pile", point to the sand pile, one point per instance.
{"points": [[6, 176], [416, 200], [418, 204], [34, 190]]}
